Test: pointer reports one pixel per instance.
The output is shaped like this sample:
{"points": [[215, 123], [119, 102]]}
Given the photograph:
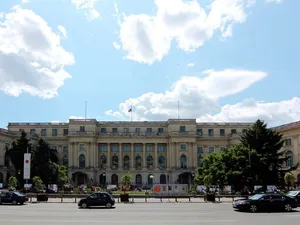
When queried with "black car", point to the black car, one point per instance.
{"points": [[266, 202], [294, 194], [97, 199], [13, 197]]}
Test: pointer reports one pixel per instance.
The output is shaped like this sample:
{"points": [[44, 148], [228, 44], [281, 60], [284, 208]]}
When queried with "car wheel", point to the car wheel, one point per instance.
{"points": [[253, 208], [287, 207], [108, 205], [84, 205], [14, 202]]}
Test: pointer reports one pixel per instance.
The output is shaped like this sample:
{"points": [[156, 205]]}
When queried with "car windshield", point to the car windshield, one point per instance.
{"points": [[292, 193], [256, 197], [18, 193]]}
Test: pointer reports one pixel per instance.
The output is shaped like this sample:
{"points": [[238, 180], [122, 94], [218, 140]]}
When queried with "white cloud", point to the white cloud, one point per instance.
{"points": [[116, 7], [147, 38], [273, 1], [88, 8], [63, 31], [32, 59], [116, 45], [25, 1], [190, 65], [197, 96]]}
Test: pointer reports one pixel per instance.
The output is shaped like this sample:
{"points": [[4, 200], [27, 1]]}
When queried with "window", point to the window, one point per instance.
{"points": [[290, 160], [210, 132], [65, 160], [199, 132], [161, 148], [138, 179], [82, 128], [244, 130], [54, 132], [161, 162], [199, 149], [103, 148], [66, 131], [32, 131], [126, 130], [149, 148], [103, 130], [137, 148], [288, 142], [199, 160], [65, 149], [149, 130], [182, 129], [115, 148], [160, 130], [211, 149], [137, 130], [182, 147], [81, 147], [115, 130], [183, 162], [126, 148], [81, 161], [233, 131], [43, 132], [222, 132]]}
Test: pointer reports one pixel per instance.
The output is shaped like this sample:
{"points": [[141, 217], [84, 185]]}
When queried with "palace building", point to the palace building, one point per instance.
{"points": [[100, 152]]}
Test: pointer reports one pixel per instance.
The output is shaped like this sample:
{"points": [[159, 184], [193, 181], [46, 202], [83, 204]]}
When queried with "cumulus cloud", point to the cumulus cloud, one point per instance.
{"points": [[116, 45], [88, 8], [147, 38], [274, 1], [197, 96], [62, 30], [190, 65], [32, 59]]}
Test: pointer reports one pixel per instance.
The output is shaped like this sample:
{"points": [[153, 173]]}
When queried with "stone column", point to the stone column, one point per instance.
{"points": [[120, 156], [195, 156], [177, 164], [155, 157], [132, 156], [144, 156], [108, 156], [96, 153], [70, 155], [75, 150]]}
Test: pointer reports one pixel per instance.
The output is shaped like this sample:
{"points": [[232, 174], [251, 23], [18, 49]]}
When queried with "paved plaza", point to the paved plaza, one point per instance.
{"points": [[137, 213]]}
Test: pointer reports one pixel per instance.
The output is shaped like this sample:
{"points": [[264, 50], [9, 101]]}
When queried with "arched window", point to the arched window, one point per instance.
{"points": [[126, 162], [81, 161], [161, 162], [138, 162], [115, 162], [183, 162], [163, 179], [138, 179], [65, 160], [290, 160], [150, 162], [114, 179], [199, 160], [102, 162]]}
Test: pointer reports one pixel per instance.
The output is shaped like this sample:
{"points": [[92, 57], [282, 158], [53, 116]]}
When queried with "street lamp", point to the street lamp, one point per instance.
{"points": [[152, 177]]}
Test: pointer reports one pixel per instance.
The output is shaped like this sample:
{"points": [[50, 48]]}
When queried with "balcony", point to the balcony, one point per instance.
{"points": [[133, 134], [81, 133]]}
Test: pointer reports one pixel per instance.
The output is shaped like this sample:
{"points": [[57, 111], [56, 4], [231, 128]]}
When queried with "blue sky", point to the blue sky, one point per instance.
{"points": [[223, 60]]}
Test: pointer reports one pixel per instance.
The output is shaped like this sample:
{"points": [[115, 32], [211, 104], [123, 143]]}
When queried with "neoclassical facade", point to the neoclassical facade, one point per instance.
{"points": [[100, 152]]}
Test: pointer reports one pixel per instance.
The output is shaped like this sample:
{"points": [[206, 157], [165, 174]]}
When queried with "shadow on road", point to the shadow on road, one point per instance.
{"points": [[282, 212]]}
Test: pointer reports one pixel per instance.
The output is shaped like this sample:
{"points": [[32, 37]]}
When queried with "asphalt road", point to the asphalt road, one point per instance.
{"points": [[139, 213]]}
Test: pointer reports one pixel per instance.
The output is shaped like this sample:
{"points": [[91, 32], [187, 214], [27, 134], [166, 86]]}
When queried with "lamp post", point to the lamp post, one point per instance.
{"points": [[152, 177]]}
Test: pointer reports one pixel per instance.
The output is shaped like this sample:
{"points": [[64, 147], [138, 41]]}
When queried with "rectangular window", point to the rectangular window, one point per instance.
{"points": [[65, 149], [149, 130], [288, 142], [126, 130], [182, 147], [211, 132], [115, 148], [103, 130], [137, 148], [199, 149], [222, 132], [182, 129], [137, 130], [115, 130], [32, 131], [199, 132], [66, 131], [161, 148], [160, 130], [103, 148], [81, 147], [82, 128], [54, 132], [43, 132], [126, 148], [149, 148], [233, 131], [211, 149]]}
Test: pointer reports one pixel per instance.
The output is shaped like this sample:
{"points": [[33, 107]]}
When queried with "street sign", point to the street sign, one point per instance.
{"points": [[27, 161]]}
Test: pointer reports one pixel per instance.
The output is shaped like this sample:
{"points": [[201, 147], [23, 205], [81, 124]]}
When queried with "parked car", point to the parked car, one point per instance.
{"points": [[294, 194], [97, 199], [266, 202], [13, 197]]}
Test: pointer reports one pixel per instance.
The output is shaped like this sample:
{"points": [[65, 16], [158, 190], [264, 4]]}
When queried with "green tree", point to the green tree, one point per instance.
{"points": [[16, 155], [13, 182], [37, 183], [289, 179], [270, 159], [126, 180], [42, 162], [61, 175]]}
